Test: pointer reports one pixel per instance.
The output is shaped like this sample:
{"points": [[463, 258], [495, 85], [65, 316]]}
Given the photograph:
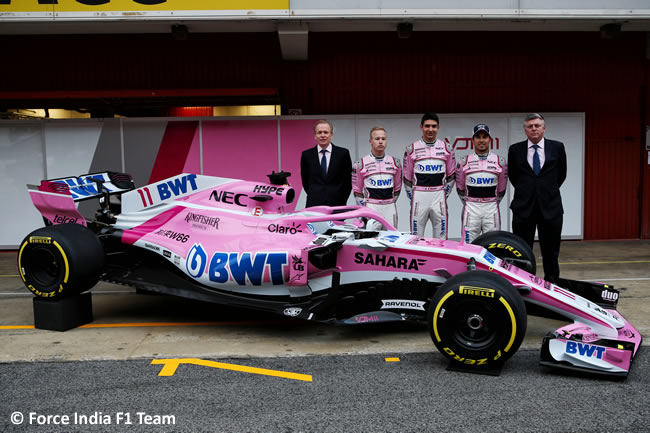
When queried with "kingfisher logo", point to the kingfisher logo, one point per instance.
{"points": [[388, 261], [177, 186], [429, 168], [588, 350], [243, 268], [482, 180]]}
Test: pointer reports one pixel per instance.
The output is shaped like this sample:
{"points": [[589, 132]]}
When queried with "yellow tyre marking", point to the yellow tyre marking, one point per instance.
{"points": [[20, 265], [435, 314], [170, 366], [514, 324], [65, 259], [391, 359]]}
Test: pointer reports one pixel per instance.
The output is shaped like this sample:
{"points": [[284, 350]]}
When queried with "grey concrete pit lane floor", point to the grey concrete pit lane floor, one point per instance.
{"points": [[134, 326], [386, 378]]}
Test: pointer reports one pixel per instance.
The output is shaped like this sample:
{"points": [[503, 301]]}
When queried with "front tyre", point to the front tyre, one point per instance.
{"points": [[477, 318], [506, 245], [60, 260]]}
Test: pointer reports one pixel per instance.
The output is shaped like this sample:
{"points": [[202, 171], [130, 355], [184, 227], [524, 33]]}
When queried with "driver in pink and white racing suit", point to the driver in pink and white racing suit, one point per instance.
{"points": [[481, 181], [377, 180], [429, 170]]}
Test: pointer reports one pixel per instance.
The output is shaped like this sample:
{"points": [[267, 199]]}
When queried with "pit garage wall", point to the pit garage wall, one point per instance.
{"points": [[244, 148]]}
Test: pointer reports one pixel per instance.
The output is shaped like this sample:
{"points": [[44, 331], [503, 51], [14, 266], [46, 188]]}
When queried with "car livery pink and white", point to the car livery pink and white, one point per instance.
{"points": [[236, 242]]}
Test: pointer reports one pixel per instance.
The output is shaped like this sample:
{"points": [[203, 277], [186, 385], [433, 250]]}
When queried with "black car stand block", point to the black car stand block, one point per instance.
{"points": [[63, 314]]}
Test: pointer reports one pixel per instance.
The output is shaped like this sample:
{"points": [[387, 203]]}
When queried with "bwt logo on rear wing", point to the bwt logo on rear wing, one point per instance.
{"points": [[90, 185]]}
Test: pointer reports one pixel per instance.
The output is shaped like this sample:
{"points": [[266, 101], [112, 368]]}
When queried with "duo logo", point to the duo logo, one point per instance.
{"points": [[429, 168], [581, 349], [238, 266]]}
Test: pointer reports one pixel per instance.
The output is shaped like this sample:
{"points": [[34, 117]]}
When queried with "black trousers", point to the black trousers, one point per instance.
{"points": [[549, 231]]}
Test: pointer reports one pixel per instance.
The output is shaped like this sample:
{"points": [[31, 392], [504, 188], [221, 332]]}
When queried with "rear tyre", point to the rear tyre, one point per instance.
{"points": [[477, 318], [60, 260], [506, 245]]}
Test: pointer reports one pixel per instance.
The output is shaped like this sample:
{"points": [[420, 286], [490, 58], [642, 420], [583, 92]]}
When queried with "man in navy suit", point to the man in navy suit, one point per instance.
{"points": [[537, 168], [326, 170]]}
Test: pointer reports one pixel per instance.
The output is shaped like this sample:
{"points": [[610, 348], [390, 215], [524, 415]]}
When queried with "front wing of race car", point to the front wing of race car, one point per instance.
{"points": [[579, 347]]}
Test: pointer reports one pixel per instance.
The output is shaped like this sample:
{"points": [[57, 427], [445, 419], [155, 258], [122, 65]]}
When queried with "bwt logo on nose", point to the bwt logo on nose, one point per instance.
{"points": [[176, 186], [430, 168]]}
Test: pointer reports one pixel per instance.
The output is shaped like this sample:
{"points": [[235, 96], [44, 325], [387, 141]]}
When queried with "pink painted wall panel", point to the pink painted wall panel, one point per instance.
{"points": [[193, 161], [240, 149], [296, 136]]}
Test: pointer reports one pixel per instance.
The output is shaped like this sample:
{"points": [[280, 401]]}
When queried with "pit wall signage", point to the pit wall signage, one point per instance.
{"points": [[27, 8]]}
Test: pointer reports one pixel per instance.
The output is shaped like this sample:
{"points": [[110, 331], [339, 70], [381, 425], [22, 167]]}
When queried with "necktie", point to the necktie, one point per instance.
{"points": [[537, 167], [323, 162]]}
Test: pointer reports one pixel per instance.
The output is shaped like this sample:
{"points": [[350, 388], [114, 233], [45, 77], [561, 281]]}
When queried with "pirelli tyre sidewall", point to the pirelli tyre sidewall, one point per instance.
{"points": [[60, 260], [504, 245], [477, 318]]}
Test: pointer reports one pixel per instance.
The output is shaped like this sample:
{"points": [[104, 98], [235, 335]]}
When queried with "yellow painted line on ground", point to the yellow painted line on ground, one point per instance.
{"points": [[392, 359], [156, 324], [605, 263], [170, 366], [9, 276]]}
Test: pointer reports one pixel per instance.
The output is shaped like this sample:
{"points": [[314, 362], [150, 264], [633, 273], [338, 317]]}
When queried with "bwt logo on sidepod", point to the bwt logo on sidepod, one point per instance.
{"points": [[429, 168], [236, 266], [582, 349]]}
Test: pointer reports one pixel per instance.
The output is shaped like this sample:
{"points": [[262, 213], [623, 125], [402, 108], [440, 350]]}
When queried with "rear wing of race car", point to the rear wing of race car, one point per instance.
{"points": [[56, 199]]}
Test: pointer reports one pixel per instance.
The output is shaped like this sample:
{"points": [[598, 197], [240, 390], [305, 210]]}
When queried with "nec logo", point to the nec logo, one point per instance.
{"points": [[581, 349], [381, 182], [430, 168], [482, 180], [177, 186]]}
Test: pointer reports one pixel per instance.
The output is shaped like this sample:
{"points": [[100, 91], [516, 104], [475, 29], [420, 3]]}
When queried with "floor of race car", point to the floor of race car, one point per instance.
{"points": [[133, 326]]}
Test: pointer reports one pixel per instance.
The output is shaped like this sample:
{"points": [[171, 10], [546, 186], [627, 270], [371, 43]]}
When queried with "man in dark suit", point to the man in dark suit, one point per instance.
{"points": [[537, 168], [326, 169]]}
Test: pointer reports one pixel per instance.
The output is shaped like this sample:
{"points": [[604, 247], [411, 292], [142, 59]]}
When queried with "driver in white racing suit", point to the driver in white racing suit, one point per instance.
{"points": [[429, 170], [377, 180], [481, 181]]}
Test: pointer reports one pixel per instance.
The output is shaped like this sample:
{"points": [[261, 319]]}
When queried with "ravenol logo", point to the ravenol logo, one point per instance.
{"points": [[582, 349], [389, 238]]}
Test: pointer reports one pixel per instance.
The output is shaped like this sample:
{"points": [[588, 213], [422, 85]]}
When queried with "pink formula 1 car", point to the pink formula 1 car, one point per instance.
{"points": [[235, 242]]}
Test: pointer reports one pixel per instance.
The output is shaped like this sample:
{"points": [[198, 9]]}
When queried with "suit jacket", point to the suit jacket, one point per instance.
{"points": [[335, 188], [542, 190]]}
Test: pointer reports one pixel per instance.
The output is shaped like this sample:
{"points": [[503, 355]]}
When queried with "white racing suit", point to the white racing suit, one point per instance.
{"points": [[481, 182], [429, 170], [376, 184]]}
